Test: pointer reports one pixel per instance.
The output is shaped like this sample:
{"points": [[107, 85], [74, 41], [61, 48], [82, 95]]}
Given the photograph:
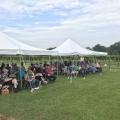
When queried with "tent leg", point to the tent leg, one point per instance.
{"points": [[57, 66], [20, 71]]}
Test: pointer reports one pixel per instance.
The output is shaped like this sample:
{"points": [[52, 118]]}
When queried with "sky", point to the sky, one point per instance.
{"points": [[48, 23]]}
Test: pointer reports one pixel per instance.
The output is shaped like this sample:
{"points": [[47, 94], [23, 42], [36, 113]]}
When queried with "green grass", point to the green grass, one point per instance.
{"points": [[95, 98]]}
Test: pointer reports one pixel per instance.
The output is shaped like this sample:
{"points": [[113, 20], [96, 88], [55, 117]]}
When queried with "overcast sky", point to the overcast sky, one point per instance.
{"points": [[47, 23]]}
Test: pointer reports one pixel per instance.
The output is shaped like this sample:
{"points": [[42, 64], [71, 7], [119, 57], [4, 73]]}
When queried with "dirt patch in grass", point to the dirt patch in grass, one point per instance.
{"points": [[2, 117]]}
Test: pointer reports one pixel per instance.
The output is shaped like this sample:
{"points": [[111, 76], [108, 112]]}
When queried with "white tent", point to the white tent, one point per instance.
{"points": [[10, 46], [99, 53], [70, 47]]}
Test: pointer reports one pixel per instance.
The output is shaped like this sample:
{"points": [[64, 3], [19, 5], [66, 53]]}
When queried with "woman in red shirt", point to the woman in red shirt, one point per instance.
{"points": [[49, 73]]}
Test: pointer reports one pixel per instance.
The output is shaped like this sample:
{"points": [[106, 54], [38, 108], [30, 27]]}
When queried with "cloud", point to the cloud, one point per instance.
{"points": [[99, 14], [36, 5], [69, 11], [51, 20]]}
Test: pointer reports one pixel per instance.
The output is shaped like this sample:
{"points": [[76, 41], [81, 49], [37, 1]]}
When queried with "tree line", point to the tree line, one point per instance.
{"points": [[114, 49]]}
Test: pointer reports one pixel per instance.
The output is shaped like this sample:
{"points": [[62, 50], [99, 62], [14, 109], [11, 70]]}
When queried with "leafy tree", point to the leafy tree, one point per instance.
{"points": [[114, 49], [89, 48], [99, 48]]}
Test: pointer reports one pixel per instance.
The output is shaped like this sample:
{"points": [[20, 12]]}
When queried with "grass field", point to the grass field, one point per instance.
{"points": [[95, 98]]}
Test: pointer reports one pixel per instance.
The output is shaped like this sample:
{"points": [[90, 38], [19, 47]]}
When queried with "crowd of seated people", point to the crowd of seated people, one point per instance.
{"points": [[32, 78], [81, 68], [37, 75], [8, 77]]}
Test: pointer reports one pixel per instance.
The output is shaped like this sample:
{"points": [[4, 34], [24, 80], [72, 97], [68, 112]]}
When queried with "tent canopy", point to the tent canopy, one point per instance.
{"points": [[70, 47], [10, 46]]}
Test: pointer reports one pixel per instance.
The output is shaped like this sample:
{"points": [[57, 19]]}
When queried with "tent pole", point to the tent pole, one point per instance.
{"points": [[61, 59], [109, 63], [57, 64], [29, 60], [20, 70], [49, 59]]}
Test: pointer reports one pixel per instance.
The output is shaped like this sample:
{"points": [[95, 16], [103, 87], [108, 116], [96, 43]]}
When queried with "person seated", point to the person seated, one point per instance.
{"points": [[70, 71], [4, 73], [92, 69], [30, 77], [20, 73], [5, 80], [49, 73], [12, 82], [40, 77], [74, 71], [64, 70], [98, 67], [76, 68], [82, 69]]}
